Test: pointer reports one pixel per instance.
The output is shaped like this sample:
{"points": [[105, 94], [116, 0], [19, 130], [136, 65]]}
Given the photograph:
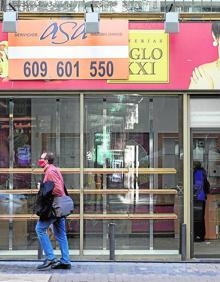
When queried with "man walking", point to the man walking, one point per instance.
{"points": [[53, 174]]}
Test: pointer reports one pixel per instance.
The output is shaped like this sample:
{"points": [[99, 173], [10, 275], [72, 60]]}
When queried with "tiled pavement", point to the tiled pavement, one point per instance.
{"points": [[112, 272]]}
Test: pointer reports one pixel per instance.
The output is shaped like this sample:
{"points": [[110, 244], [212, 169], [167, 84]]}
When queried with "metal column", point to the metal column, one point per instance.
{"points": [[81, 173], [11, 165], [186, 171], [151, 177], [58, 131], [104, 144]]}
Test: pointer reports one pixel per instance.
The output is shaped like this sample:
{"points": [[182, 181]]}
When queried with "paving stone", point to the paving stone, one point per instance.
{"points": [[25, 277], [112, 272]]}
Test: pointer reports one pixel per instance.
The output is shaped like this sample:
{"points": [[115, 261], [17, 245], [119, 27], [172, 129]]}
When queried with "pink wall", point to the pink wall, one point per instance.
{"points": [[189, 48]]}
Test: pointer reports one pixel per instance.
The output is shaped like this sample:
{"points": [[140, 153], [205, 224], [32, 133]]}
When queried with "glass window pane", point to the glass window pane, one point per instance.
{"points": [[36, 125], [132, 132], [205, 151], [205, 112]]}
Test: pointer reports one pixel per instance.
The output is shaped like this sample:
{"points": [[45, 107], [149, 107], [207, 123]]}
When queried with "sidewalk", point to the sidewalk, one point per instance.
{"points": [[112, 272]]}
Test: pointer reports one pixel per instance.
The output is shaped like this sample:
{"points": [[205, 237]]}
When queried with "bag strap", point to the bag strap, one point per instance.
{"points": [[64, 186], [65, 190]]}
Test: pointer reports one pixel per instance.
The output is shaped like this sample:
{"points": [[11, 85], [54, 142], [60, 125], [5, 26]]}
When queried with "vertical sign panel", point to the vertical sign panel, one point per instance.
{"points": [[148, 57]]}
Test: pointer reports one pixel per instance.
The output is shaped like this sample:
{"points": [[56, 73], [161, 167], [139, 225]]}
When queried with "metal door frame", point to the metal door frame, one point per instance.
{"points": [[192, 131]]}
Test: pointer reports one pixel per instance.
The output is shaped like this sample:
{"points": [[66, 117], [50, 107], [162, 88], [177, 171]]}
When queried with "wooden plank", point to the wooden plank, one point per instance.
{"points": [[157, 216], [32, 191], [97, 191], [19, 191], [92, 170], [131, 216], [125, 191], [37, 170], [126, 170]]}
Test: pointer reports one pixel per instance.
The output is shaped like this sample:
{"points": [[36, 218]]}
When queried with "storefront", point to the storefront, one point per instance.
{"points": [[125, 133]]}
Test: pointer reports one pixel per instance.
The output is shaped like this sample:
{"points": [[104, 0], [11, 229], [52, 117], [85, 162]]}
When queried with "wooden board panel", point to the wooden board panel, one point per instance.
{"points": [[158, 216], [93, 170], [97, 191]]}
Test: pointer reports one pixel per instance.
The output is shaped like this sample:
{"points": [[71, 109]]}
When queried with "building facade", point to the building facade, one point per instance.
{"points": [[127, 111]]}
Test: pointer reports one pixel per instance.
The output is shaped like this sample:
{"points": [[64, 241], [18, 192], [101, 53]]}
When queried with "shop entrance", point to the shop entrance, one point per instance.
{"points": [[122, 161], [206, 151]]}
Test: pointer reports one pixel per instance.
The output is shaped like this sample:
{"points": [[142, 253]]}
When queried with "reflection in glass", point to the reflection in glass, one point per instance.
{"points": [[115, 6], [206, 150], [118, 132], [35, 125], [124, 137]]}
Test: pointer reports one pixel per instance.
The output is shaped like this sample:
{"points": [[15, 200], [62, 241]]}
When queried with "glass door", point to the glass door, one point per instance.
{"points": [[206, 211], [133, 173], [121, 157]]}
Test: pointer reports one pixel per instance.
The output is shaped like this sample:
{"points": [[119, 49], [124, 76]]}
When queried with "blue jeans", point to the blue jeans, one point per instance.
{"points": [[59, 229]]}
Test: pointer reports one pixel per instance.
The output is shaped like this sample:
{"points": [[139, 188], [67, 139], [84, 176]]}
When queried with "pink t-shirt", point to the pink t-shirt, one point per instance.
{"points": [[52, 173]]}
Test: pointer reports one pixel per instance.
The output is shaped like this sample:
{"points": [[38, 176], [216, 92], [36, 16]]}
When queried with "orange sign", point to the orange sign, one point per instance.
{"points": [[60, 49]]}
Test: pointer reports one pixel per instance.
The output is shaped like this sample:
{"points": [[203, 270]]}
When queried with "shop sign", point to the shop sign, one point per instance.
{"points": [[60, 49], [148, 57], [186, 60]]}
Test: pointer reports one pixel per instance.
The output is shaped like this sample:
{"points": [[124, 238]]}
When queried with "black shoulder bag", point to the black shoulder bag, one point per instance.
{"points": [[63, 206]]}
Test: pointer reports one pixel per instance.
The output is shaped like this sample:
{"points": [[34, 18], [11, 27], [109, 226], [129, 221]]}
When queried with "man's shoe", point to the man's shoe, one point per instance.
{"points": [[46, 264], [60, 265]]}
